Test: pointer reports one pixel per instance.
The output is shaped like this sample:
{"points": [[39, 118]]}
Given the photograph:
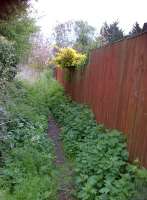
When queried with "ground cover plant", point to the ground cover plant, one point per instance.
{"points": [[100, 155], [26, 153]]}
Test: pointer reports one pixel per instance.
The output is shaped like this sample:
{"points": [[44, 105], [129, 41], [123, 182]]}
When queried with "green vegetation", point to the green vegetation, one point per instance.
{"points": [[7, 61], [100, 155], [18, 30], [26, 153], [70, 59], [136, 29], [111, 33], [13, 8], [83, 37]]}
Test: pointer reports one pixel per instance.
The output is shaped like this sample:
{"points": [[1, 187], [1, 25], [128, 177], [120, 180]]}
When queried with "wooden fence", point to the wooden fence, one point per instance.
{"points": [[114, 85]]}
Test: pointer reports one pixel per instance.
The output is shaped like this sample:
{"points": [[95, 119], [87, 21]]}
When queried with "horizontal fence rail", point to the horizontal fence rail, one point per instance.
{"points": [[114, 85]]}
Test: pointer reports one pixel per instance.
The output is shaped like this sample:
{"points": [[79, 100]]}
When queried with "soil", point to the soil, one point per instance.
{"points": [[64, 168]]}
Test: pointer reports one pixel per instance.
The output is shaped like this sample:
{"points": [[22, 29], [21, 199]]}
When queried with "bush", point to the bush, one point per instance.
{"points": [[3, 121], [7, 61], [70, 59]]}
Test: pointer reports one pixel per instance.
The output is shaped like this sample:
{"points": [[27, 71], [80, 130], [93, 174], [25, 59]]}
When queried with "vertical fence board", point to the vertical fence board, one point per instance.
{"points": [[114, 85]]}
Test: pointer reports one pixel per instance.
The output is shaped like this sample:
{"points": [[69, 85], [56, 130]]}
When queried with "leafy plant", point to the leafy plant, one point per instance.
{"points": [[100, 155], [76, 34], [18, 29], [7, 61], [85, 34], [27, 156], [111, 32], [70, 58]]}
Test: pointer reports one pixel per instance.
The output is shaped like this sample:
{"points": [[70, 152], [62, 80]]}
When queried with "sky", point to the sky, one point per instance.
{"points": [[96, 12]]}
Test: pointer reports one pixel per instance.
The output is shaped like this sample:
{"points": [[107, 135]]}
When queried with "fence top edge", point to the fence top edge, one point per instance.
{"points": [[121, 40]]}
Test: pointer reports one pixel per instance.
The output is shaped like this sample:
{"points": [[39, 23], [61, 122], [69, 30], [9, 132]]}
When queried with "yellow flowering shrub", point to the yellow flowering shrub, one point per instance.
{"points": [[70, 58]]}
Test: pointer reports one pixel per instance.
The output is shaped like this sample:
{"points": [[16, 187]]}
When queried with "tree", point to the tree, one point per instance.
{"points": [[84, 36], [135, 30], [112, 32], [39, 56], [9, 8], [98, 42], [76, 34], [62, 34], [18, 30]]}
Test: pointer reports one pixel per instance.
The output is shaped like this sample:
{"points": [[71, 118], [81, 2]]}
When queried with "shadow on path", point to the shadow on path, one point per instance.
{"points": [[63, 166]]}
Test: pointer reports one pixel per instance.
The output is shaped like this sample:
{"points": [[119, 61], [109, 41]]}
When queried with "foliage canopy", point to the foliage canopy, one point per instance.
{"points": [[135, 30], [70, 58], [112, 32], [8, 67], [18, 30], [84, 36], [12, 8], [76, 34]]}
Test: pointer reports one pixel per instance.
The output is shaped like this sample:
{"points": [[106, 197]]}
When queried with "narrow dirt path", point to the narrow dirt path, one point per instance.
{"points": [[63, 166]]}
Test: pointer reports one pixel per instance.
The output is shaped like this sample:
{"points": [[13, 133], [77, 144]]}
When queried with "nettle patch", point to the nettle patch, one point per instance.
{"points": [[100, 155], [102, 168]]}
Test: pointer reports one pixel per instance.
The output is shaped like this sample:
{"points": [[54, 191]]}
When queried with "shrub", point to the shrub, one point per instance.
{"points": [[7, 61], [3, 121], [70, 59]]}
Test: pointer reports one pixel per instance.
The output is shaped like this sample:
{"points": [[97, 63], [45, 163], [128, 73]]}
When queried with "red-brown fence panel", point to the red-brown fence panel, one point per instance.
{"points": [[114, 85]]}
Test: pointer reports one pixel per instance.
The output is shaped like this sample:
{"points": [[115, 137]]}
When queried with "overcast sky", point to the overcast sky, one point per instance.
{"points": [[94, 11]]}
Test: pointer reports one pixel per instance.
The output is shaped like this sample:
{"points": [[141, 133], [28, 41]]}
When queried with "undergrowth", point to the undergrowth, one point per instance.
{"points": [[100, 157], [102, 169], [26, 153]]}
